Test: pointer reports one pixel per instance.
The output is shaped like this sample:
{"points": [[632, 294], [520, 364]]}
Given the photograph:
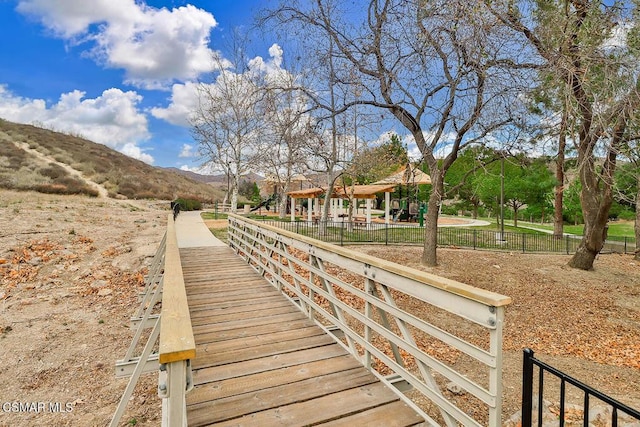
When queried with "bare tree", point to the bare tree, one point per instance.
{"points": [[578, 40], [628, 180], [329, 86], [290, 126], [436, 66], [229, 124]]}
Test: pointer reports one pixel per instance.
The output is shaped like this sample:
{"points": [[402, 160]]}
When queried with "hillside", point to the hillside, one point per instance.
{"points": [[216, 180], [33, 158]]}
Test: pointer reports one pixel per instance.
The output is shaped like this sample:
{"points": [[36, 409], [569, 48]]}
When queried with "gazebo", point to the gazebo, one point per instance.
{"points": [[366, 192], [268, 185], [407, 176], [403, 176]]}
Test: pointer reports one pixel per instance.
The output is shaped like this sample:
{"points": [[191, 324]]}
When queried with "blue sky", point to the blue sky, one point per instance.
{"points": [[118, 72]]}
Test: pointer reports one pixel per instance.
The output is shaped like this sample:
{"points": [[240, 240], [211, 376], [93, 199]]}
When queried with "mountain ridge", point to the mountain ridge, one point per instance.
{"points": [[42, 160]]}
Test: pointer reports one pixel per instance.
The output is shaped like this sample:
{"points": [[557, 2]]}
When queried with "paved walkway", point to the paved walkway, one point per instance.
{"points": [[193, 233]]}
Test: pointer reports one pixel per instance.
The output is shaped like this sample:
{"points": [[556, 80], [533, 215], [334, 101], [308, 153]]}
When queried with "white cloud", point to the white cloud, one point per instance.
{"points": [[154, 46], [112, 119], [443, 146], [187, 151], [134, 151], [202, 169], [184, 102]]}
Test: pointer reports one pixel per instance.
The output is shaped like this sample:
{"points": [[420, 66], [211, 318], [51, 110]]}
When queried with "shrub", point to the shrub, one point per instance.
{"points": [[53, 171], [51, 188], [189, 204]]}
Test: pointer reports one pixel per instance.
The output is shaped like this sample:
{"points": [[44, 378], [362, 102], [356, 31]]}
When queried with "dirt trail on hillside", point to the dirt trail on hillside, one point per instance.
{"points": [[102, 192]]}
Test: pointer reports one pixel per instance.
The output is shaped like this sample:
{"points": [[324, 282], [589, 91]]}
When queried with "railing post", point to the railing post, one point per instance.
{"points": [[527, 387], [386, 234], [173, 384], [342, 234], [567, 244]]}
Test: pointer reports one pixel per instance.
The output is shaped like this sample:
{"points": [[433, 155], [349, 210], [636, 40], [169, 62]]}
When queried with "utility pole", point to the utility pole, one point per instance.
{"points": [[502, 197]]}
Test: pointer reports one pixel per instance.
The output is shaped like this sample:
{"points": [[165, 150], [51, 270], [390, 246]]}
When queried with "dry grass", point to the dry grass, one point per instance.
{"points": [[121, 175]]}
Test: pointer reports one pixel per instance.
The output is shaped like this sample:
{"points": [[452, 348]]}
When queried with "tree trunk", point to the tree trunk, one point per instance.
{"points": [[637, 223], [282, 207], [429, 257], [583, 258], [324, 219], [558, 220], [234, 193], [595, 202]]}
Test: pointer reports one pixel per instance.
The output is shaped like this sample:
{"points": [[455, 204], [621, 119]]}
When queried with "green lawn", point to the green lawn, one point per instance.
{"points": [[213, 215], [220, 215], [508, 229], [616, 228], [220, 233]]}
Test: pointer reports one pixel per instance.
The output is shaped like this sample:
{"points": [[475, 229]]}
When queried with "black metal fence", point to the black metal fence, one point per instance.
{"points": [[342, 233], [527, 394]]}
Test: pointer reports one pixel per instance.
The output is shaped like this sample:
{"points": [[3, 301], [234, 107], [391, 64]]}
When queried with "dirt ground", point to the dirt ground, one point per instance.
{"points": [[586, 323], [71, 269]]}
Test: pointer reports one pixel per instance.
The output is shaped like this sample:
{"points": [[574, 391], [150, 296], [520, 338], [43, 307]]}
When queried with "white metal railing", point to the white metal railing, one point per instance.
{"points": [[418, 332], [172, 326], [146, 316]]}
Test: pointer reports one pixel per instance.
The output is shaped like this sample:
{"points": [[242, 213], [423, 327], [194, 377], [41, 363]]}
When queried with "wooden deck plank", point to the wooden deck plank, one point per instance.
{"points": [[270, 328], [261, 289], [215, 299], [224, 279], [277, 338], [277, 396], [249, 322], [266, 364], [394, 414], [261, 361], [225, 316], [246, 307], [262, 380], [323, 409], [208, 356], [235, 285]]}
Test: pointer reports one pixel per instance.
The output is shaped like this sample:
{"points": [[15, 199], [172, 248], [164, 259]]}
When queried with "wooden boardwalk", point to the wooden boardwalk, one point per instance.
{"points": [[261, 362]]}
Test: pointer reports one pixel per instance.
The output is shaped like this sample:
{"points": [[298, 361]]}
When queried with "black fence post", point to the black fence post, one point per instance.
{"points": [[527, 387], [524, 242], [567, 244], [342, 234]]}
